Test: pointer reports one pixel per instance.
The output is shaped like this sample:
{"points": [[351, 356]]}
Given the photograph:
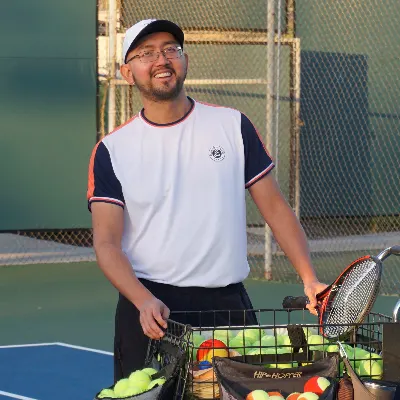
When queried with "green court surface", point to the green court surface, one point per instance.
{"points": [[74, 303]]}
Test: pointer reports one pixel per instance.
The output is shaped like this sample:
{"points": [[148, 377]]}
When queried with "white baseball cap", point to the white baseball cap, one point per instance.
{"points": [[147, 26]]}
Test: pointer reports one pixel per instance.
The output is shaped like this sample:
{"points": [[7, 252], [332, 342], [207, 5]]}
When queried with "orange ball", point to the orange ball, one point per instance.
{"points": [[316, 384], [293, 396], [210, 348], [276, 394]]}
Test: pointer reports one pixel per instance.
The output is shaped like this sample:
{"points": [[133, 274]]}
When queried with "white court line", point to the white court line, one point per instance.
{"points": [[16, 396], [28, 345], [107, 353]]}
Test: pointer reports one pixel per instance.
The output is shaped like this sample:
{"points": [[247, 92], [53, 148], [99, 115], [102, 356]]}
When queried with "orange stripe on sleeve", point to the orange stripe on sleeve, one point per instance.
{"points": [[90, 190]]}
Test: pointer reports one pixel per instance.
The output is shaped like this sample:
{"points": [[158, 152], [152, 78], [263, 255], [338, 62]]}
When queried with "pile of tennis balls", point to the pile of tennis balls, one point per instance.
{"points": [[313, 388], [138, 382], [256, 341]]}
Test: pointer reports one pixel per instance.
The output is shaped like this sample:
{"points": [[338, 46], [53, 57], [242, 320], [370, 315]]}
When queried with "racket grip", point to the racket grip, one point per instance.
{"points": [[295, 302]]}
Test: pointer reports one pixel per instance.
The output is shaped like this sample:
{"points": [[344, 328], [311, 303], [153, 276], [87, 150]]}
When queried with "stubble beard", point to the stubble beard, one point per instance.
{"points": [[164, 92]]}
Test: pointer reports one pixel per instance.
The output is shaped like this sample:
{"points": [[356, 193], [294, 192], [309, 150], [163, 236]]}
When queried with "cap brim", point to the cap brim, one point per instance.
{"points": [[158, 26]]}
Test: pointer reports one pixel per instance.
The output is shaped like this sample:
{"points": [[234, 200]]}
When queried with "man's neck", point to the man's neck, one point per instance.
{"points": [[167, 112]]}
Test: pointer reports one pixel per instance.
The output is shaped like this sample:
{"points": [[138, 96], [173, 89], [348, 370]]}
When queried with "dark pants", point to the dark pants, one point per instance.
{"points": [[130, 343]]}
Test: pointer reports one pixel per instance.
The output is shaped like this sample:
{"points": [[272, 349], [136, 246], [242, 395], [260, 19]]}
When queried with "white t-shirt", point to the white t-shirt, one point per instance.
{"points": [[182, 188]]}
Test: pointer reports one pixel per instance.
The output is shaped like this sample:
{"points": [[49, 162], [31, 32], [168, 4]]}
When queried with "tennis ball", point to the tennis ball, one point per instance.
{"points": [[293, 396], [133, 390], [139, 379], [371, 368], [211, 348], [237, 344], [308, 396], [121, 386], [332, 348], [316, 384], [268, 340], [359, 355], [156, 382], [149, 371], [316, 342], [106, 393], [375, 357], [285, 341], [257, 395], [197, 339], [224, 335], [280, 397]]}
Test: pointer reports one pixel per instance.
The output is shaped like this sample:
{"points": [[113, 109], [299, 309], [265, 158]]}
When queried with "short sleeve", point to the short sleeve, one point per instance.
{"points": [[258, 162], [103, 185]]}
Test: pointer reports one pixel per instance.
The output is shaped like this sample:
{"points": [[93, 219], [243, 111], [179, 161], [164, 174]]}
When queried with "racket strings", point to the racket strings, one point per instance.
{"points": [[351, 303]]}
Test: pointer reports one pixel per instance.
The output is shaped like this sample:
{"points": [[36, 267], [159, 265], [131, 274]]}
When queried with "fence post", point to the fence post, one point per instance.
{"points": [[112, 47], [269, 127]]}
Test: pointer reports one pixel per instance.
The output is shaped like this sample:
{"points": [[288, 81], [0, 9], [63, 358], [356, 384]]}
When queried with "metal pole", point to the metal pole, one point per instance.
{"points": [[112, 47], [269, 126], [298, 123]]}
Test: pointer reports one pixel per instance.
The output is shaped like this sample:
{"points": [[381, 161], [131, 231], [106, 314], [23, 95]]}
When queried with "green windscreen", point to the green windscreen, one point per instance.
{"points": [[47, 112]]}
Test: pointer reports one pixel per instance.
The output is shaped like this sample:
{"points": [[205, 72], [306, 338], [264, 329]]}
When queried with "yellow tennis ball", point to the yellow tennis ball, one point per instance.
{"points": [[371, 368], [156, 382], [139, 379], [106, 393], [149, 371], [257, 395], [308, 396], [121, 386]]}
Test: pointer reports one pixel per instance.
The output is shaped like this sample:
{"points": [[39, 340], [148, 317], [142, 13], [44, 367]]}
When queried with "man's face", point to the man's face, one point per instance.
{"points": [[159, 80]]}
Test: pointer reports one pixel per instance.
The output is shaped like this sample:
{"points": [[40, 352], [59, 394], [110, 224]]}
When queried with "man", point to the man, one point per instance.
{"points": [[167, 196]]}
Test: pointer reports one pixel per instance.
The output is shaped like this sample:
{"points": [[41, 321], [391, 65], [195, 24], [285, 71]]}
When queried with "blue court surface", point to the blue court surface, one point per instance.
{"points": [[53, 371]]}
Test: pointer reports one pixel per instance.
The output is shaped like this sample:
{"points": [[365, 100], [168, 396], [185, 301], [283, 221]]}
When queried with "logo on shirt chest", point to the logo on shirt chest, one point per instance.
{"points": [[216, 153]]}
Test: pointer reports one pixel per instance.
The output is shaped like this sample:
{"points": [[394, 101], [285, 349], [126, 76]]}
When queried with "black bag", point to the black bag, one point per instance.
{"points": [[237, 379]]}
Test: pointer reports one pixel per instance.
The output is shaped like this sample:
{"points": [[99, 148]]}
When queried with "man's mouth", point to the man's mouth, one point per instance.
{"points": [[163, 75]]}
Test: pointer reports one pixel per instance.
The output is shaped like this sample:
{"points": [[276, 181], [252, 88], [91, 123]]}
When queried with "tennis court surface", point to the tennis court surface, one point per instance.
{"points": [[57, 328]]}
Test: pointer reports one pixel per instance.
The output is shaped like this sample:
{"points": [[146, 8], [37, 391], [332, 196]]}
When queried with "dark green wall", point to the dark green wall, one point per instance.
{"points": [[47, 112], [350, 141]]}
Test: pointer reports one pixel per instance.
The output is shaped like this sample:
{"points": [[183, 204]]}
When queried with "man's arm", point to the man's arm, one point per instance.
{"points": [[108, 223], [287, 231]]}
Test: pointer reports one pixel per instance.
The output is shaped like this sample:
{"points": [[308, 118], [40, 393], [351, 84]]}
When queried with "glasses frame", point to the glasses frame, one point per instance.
{"points": [[157, 53]]}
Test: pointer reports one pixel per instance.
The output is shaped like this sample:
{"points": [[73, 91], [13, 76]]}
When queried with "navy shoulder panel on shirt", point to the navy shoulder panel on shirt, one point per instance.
{"points": [[257, 160], [105, 185]]}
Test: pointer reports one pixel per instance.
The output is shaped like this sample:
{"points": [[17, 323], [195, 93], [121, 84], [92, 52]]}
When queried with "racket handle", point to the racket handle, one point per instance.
{"points": [[295, 302]]}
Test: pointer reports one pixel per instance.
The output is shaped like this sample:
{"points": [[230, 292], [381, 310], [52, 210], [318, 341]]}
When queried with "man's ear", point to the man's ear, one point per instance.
{"points": [[127, 74]]}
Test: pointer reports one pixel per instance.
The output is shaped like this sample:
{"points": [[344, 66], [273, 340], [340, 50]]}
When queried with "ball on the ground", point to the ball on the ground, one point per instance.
{"points": [[121, 386], [156, 382], [293, 396], [257, 395], [106, 393], [139, 379], [149, 371], [212, 348], [316, 384], [308, 396]]}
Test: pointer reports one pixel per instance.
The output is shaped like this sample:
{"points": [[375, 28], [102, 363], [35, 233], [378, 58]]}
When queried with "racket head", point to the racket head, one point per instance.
{"points": [[350, 298]]}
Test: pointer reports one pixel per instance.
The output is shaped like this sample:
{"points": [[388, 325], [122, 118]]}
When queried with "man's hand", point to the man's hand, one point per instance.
{"points": [[153, 314], [311, 289]]}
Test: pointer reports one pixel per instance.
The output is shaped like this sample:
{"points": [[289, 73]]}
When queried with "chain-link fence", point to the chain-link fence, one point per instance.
{"points": [[322, 87]]}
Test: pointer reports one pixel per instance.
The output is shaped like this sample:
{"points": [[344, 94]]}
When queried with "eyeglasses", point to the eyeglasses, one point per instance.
{"points": [[149, 56]]}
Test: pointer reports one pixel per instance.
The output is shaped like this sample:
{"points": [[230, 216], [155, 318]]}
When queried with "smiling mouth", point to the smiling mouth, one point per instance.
{"points": [[163, 75]]}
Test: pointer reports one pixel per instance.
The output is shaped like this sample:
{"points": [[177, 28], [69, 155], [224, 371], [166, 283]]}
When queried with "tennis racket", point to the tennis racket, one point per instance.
{"points": [[349, 299]]}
